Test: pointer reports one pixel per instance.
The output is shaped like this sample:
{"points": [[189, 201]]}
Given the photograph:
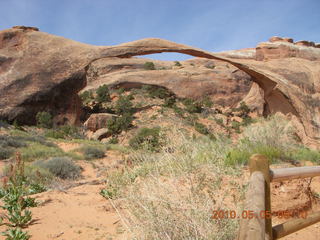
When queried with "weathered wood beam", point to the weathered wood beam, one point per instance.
{"points": [[294, 225], [282, 174]]}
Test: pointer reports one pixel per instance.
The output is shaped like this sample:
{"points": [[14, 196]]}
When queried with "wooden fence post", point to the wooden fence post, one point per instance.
{"points": [[260, 163], [252, 226]]}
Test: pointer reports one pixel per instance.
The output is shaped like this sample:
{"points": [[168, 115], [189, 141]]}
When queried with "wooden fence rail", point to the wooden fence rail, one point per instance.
{"points": [[258, 201]]}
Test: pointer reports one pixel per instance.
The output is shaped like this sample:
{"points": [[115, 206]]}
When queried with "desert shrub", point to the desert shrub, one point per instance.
{"points": [[201, 128], [146, 138], [36, 178], [211, 66], [192, 106], [179, 111], [65, 131], [156, 92], [5, 152], [118, 124], [241, 154], [54, 133], [11, 141], [206, 102], [243, 109], [149, 66], [158, 206], [219, 121], [44, 120], [16, 125], [62, 167], [236, 126], [113, 140], [273, 131], [86, 96], [103, 94], [304, 153], [124, 105], [169, 102], [177, 63], [92, 152], [4, 124], [37, 150], [272, 137]]}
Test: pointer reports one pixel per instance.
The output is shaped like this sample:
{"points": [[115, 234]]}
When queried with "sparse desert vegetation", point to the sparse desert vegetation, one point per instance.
{"points": [[178, 159]]}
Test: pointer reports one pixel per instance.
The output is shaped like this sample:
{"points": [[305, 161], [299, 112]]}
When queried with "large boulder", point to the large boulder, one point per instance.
{"points": [[97, 121]]}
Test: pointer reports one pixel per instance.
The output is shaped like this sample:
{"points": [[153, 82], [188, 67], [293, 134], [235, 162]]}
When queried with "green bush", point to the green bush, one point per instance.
{"points": [[179, 111], [306, 154], [5, 152], [15, 203], [86, 96], [169, 102], [146, 138], [219, 121], [37, 150], [243, 109], [124, 105], [62, 167], [91, 152], [199, 127], [64, 131], [54, 133], [4, 124], [149, 66], [236, 126], [103, 94], [241, 154], [206, 102], [177, 63], [157, 92], [44, 120], [118, 124], [11, 141], [192, 106], [113, 140]]}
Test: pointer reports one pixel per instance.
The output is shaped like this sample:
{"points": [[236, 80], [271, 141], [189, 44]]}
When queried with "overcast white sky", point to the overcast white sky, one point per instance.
{"points": [[212, 25]]}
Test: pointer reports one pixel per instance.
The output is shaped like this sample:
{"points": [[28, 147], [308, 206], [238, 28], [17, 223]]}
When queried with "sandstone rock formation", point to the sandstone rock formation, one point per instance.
{"points": [[39, 71], [97, 121], [222, 82]]}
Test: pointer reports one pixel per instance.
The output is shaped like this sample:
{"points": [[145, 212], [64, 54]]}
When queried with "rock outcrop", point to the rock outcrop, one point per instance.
{"points": [[39, 71], [97, 121], [285, 48], [223, 83]]}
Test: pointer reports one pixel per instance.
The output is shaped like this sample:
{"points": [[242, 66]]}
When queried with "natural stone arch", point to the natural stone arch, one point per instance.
{"points": [[44, 68]]}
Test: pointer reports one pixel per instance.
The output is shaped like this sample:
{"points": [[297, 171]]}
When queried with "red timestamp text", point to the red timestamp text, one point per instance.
{"points": [[250, 214]]}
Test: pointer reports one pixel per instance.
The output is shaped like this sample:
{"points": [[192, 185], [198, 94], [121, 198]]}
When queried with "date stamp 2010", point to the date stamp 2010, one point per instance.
{"points": [[249, 214]]}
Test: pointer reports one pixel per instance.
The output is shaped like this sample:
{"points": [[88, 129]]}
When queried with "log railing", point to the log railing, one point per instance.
{"points": [[258, 203]]}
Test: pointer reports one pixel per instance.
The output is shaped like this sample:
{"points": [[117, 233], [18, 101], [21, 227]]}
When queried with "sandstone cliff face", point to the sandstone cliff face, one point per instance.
{"points": [[222, 82], [39, 71]]}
